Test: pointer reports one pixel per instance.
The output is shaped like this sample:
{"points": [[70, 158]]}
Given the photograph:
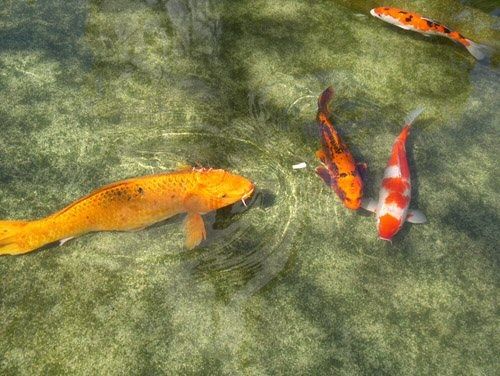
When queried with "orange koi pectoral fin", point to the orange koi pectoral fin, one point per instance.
{"points": [[416, 216], [362, 169], [324, 175], [330, 180], [320, 154], [195, 230]]}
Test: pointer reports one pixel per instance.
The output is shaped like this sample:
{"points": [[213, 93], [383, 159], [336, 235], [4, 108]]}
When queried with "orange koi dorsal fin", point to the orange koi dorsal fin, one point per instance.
{"points": [[195, 230], [320, 154], [183, 167]]}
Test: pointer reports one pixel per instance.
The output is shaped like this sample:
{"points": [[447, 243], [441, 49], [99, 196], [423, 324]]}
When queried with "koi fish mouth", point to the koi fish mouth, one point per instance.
{"points": [[352, 203], [247, 195], [385, 239]]}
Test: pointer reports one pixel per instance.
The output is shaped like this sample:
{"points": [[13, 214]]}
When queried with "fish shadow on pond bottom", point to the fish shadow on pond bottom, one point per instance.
{"points": [[224, 217], [439, 42]]}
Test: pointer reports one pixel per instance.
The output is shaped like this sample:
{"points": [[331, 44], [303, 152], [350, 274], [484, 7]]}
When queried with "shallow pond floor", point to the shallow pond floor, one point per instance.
{"points": [[97, 91]]}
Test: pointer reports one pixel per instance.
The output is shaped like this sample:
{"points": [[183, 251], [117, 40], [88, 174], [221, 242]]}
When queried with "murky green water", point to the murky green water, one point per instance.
{"points": [[93, 92]]}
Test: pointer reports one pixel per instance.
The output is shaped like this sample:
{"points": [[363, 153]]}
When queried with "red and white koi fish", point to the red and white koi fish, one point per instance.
{"points": [[414, 21], [395, 191]]}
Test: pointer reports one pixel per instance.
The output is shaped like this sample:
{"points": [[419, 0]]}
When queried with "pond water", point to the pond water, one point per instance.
{"points": [[97, 91]]}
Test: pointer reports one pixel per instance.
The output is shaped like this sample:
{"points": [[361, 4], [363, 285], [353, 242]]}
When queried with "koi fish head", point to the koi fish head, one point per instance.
{"points": [[387, 14], [388, 226], [352, 189], [216, 189]]}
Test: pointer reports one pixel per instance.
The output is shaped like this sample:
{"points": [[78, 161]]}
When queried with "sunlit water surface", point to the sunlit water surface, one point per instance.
{"points": [[97, 91]]}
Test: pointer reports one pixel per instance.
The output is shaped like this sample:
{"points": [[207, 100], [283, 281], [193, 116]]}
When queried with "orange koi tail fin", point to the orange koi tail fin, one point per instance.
{"points": [[324, 101], [479, 51], [12, 235]]}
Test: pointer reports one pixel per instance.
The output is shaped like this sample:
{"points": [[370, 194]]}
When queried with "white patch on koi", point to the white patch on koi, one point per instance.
{"points": [[391, 20], [392, 172], [393, 210]]}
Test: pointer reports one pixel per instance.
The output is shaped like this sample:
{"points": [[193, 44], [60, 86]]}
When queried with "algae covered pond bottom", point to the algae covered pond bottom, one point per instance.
{"points": [[94, 92]]}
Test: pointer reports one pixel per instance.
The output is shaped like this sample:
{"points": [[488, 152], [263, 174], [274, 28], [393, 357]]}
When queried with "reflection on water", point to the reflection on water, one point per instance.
{"points": [[197, 22], [93, 92], [245, 248]]}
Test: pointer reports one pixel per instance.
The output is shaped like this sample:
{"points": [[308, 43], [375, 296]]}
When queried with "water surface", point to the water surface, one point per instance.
{"points": [[96, 91]]}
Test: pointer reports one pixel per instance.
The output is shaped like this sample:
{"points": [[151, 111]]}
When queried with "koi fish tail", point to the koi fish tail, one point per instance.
{"points": [[324, 101], [413, 115], [409, 121], [13, 238], [479, 51]]}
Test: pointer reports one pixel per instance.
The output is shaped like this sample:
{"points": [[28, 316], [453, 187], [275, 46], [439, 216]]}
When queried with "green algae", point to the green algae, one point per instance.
{"points": [[98, 91]]}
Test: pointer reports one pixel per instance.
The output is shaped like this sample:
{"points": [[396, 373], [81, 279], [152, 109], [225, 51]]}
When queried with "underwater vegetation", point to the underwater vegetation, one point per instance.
{"points": [[93, 92]]}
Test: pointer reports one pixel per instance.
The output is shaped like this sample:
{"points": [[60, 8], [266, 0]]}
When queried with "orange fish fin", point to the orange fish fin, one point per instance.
{"points": [[320, 154], [479, 51], [9, 237], [330, 181], [183, 167], [324, 175], [195, 230], [362, 169]]}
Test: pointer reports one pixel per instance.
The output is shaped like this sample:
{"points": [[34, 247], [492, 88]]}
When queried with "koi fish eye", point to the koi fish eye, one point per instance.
{"points": [[223, 195]]}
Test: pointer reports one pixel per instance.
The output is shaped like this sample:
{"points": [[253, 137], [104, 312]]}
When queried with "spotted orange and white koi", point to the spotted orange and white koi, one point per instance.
{"points": [[395, 191], [416, 22]]}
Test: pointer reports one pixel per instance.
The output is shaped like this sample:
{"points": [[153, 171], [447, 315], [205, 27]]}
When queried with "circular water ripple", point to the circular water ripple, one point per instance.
{"points": [[246, 247]]}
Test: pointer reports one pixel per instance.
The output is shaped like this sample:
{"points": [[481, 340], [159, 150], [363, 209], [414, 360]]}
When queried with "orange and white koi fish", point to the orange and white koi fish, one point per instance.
{"points": [[338, 169], [130, 205], [395, 191], [414, 21]]}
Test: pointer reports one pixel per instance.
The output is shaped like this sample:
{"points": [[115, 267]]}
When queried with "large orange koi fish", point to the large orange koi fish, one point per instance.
{"points": [[130, 205], [416, 22], [338, 169]]}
